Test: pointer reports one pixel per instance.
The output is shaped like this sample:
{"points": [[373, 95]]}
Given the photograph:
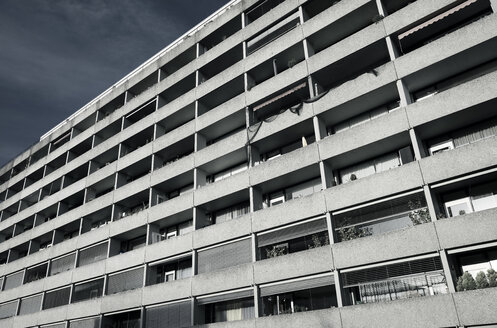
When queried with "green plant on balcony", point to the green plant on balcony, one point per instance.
{"points": [[318, 241], [492, 278], [347, 232], [418, 215]]}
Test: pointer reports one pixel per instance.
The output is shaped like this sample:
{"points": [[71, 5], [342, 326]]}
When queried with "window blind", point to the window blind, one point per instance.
{"points": [[124, 281], [391, 271], [30, 305], [8, 310], [296, 231], [225, 297], [57, 325], [93, 254], [85, 323], [177, 315], [88, 290], [14, 280], [225, 256], [62, 264], [297, 285], [56, 298]]}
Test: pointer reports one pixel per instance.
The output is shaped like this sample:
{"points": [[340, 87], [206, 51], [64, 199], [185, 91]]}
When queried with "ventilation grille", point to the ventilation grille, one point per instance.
{"points": [[30, 305], [87, 291], [56, 298], [124, 281], [225, 256], [93, 254], [14, 280], [8, 310], [176, 315], [391, 271], [62, 264]]}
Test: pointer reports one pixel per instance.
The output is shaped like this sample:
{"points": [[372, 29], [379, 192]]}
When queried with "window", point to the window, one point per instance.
{"points": [[377, 165], [389, 215], [296, 191], [294, 238], [170, 271], [224, 256], [415, 278], [174, 315], [62, 264], [175, 230], [298, 296], [473, 198], [226, 307], [124, 281], [88, 290], [463, 136], [229, 213]]}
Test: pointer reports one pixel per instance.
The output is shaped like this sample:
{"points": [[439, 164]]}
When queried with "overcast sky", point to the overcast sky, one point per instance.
{"points": [[57, 55]]}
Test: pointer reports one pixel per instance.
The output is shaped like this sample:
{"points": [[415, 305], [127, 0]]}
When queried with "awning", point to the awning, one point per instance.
{"points": [[282, 95], [437, 18]]}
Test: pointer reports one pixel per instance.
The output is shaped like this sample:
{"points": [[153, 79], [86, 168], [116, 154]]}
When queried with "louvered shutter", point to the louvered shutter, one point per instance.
{"points": [[225, 256], [177, 315], [124, 281], [56, 298], [85, 323], [297, 285], [93, 254], [57, 325], [391, 271], [14, 280], [225, 297], [88, 290], [293, 232], [62, 264], [30, 305], [8, 310]]}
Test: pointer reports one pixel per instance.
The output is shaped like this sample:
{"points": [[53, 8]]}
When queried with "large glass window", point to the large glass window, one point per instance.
{"points": [[422, 277], [390, 215], [221, 308], [170, 271], [475, 269], [474, 198], [298, 296], [294, 238]]}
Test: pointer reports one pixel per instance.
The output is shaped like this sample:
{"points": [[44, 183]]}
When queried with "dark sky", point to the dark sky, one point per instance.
{"points": [[57, 55]]}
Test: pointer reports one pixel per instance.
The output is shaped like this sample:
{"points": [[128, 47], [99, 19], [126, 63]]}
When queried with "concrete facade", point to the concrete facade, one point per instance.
{"points": [[196, 152]]}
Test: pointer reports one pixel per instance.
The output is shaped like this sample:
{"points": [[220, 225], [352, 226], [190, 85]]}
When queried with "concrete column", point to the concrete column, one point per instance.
{"points": [[153, 234], [255, 199], [447, 272], [71, 291], [417, 145], [319, 128], [493, 3], [326, 175], [194, 262], [254, 248], [381, 8], [338, 288], [432, 206], [393, 50], [331, 228], [405, 96], [142, 317], [199, 178], [200, 142], [256, 302]]}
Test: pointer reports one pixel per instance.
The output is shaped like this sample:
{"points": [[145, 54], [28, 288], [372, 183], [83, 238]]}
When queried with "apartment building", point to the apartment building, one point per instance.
{"points": [[286, 163]]}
